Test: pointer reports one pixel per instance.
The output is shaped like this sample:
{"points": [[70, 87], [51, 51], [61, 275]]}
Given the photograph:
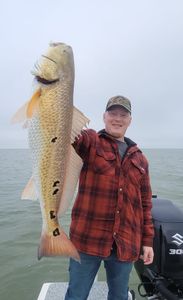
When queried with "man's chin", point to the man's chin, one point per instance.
{"points": [[116, 135]]}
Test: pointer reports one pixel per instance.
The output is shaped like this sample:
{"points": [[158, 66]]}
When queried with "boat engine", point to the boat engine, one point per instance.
{"points": [[163, 279]]}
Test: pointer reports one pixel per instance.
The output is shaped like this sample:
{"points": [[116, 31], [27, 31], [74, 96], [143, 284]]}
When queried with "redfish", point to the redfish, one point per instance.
{"points": [[53, 124]]}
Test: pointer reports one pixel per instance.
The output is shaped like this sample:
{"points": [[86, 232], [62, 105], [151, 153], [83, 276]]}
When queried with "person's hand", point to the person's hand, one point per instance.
{"points": [[147, 255]]}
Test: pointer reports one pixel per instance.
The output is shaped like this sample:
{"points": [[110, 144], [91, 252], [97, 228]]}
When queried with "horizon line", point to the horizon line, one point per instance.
{"points": [[147, 147]]}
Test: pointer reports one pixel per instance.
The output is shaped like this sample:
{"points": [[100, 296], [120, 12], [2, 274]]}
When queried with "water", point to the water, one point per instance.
{"points": [[21, 274]]}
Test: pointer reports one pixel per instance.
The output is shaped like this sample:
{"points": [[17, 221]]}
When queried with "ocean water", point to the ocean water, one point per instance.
{"points": [[21, 274]]}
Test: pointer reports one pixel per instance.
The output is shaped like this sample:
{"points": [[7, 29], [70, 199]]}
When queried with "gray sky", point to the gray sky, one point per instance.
{"points": [[133, 48]]}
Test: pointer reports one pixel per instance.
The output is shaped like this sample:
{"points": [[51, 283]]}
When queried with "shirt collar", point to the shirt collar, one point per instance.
{"points": [[128, 141], [132, 146]]}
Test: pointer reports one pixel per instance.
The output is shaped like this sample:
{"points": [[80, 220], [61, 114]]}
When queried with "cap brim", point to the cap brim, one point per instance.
{"points": [[118, 105]]}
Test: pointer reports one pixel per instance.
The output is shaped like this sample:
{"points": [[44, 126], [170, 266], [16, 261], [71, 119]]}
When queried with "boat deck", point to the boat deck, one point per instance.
{"points": [[57, 290]]}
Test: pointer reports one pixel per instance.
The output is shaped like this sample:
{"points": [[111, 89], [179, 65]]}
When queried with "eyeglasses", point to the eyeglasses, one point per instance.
{"points": [[115, 113]]}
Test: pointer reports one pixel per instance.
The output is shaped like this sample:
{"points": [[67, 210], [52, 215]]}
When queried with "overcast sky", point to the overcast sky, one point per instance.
{"points": [[133, 48]]}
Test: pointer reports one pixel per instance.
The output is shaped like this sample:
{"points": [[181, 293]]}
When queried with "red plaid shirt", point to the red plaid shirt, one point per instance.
{"points": [[114, 198]]}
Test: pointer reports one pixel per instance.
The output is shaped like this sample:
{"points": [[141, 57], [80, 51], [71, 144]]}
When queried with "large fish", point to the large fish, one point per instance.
{"points": [[53, 124]]}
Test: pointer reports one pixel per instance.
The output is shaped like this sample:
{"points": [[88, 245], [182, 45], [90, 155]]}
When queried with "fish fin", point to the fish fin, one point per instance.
{"points": [[59, 245], [29, 191], [79, 121], [74, 163], [71, 179], [21, 114], [28, 109], [26, 124], [33, 104]]}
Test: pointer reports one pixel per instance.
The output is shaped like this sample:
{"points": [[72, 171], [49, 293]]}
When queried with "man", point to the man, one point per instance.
{"points": [[111, 217]]}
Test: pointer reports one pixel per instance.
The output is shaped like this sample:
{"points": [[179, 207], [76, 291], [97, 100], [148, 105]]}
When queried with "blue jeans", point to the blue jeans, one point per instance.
{"points": [[82, 276]]}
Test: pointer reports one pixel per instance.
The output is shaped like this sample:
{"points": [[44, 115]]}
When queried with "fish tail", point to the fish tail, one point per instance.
{"points": [[57, 244]]}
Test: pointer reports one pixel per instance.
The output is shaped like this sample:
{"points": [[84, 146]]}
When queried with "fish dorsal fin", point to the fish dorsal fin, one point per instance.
{"points": [[29, 191], [28, 109], [75, 163], [79, 121]]}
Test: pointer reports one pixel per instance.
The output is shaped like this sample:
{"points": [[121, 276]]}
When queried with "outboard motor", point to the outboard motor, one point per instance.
{"points": [[163, 279]]}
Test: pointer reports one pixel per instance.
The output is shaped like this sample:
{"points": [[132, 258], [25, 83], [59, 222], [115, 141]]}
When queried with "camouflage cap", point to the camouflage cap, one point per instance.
{"points": [[119, 100]]}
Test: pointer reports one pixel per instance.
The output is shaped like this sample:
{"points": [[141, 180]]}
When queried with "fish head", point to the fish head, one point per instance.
{"points": [[56, 64]]}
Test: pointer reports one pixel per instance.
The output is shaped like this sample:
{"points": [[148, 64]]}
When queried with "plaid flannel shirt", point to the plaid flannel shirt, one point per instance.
{"points": [[114, 198]]}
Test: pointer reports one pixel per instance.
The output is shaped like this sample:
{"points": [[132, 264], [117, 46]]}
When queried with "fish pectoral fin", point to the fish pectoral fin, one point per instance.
{"points": [[29, 191], [21, 114], [57, 244], [28, 109], [79, 121], [33, 104]]}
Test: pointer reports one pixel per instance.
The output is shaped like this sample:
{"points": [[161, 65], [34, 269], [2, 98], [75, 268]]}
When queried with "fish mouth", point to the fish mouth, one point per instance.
{"points": [[49, 58], [56, 44], [51, 74], [59, 44], [37, 72]]}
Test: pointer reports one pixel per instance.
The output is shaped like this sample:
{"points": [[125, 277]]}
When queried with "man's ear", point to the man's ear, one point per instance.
{"points": [[130, 120], [104, 114]]}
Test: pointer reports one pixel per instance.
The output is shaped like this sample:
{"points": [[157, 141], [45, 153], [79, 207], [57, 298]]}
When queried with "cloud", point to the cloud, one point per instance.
{"points": [[132, 48]]}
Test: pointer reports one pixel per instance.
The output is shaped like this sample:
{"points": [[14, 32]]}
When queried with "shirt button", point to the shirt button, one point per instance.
{"points": [[117, 211], [114, 233], [120, 189]]}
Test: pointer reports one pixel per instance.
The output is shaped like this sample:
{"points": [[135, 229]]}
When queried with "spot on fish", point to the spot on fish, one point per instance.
{"points": [[54, 140], [55, 183], [56, 232], [52, 214], [55, 191]]}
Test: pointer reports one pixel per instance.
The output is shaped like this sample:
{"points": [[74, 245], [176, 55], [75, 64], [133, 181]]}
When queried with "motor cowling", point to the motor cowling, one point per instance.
{"points": [[168, 240]]}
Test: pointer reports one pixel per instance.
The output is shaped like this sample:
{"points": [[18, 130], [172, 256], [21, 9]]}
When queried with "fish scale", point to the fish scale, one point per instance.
{"points": [[59, 111]]}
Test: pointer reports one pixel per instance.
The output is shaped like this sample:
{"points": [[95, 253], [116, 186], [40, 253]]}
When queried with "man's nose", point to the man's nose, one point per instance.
{"points": [[118, 117]]}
